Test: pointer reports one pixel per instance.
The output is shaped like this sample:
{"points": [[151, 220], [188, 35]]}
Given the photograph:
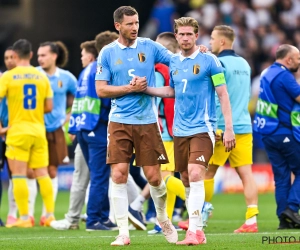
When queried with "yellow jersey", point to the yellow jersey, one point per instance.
{"points": [[26, 89]]}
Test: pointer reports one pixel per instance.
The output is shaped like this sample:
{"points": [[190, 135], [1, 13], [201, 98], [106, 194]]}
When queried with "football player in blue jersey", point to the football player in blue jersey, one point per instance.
{"points": [[194, 79], [52, 56], [125, 68]]}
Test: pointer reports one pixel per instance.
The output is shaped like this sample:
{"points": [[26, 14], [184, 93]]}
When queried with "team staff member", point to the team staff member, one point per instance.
{"points": [[277, 119], [238, 78], [52, 56], [29, 96]]}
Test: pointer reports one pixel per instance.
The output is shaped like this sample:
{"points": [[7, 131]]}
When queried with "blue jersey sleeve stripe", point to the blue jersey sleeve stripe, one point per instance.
{"points": [[217, 61], [105, 48]]}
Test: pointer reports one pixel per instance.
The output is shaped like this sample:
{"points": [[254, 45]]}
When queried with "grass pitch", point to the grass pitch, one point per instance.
{"points": [[228, 215]]}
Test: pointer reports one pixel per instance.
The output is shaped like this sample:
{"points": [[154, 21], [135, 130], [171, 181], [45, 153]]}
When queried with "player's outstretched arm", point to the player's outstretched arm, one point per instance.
{"points": [[164, 92], [228, 138]]}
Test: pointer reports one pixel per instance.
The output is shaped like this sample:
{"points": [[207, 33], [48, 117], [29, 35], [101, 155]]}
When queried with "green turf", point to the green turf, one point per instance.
{"points": [[228, 215]]}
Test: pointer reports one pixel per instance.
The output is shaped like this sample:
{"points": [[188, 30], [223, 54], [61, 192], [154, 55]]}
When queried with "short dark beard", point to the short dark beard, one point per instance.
{"points": [[294, 70]]}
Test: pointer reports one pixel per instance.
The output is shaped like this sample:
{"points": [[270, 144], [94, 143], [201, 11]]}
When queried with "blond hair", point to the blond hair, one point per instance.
{"points": [[225, 31], [169, 41], [186, 21]]}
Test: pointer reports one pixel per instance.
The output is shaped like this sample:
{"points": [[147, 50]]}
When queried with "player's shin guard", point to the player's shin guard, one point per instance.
{"points": [[209, 189], [159, 196], [46, 190], [196, 201], [21, 193], [120, 205]]}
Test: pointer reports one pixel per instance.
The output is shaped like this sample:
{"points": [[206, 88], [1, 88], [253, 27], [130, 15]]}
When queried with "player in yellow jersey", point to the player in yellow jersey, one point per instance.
{"points": [[29, 96]]}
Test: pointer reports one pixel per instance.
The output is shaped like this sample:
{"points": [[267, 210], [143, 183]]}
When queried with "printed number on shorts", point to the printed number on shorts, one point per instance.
{"points": [[184, 86], [79, 120], [29, 101]]}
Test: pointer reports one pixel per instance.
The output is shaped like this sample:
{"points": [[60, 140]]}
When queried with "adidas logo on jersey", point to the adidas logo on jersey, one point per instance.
{"points": [[200, 158], [286, 139], [118, 62], [161, 157]]}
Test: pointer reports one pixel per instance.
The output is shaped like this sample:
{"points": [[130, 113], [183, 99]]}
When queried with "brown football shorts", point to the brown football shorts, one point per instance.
{"points": [[144, 139], [195, 149], [57, 146]]}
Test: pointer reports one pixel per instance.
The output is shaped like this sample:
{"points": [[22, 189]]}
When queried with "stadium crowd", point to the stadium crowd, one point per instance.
{"points": [[260, 27], [114, 125]]}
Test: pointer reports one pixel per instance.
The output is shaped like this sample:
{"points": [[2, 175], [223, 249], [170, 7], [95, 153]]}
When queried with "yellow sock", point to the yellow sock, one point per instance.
{"points": [[252, 210], [171, 198], [21, 193], [209, 189], [46, 189], [175, 186]]}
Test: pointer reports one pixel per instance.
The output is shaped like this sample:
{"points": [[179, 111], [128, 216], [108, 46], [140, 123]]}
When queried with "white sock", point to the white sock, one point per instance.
{"points": [[159, 196], [12, 206], [111, 215], [55, 187], [131, 189], [196, 201], [253, 219], [187, 195], [120, 205], [55, 190], [87, 193], [32, 187], [137, 204]]}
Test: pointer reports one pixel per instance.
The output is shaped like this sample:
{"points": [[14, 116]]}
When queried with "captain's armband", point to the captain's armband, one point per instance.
{"points": [[218, 79]]}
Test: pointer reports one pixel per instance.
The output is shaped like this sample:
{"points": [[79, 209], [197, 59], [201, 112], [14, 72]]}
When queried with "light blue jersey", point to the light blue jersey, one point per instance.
{"points": [[194, 79], [118, 64], [238, 77], [62, 82]]}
